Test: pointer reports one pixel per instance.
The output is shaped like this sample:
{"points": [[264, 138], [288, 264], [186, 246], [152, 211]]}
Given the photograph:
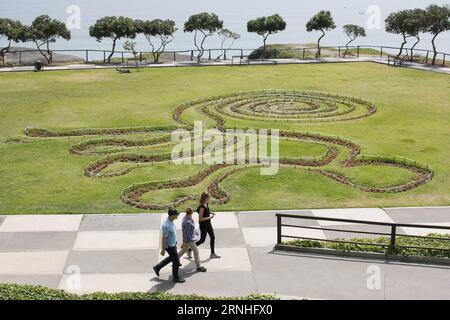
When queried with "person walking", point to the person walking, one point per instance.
{"points": [[189, 233], [205, 216], [169, 245]]}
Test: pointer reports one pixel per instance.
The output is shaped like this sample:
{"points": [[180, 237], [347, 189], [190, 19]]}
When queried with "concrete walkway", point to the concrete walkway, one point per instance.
{"points": [[438, 69], [113, 253]]}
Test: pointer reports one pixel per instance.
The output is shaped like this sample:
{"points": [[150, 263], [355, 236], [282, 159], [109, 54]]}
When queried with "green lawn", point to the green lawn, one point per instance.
{"points": [[39, 175]]}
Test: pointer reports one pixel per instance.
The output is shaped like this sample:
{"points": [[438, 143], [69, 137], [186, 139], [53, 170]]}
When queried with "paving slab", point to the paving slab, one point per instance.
{"points": [[117, 240], [222, 220], [113, 261], [212, 284], [232, 259], [50, 281], [313, 276], [358, 227], [32, 263], [426, 231], [419, 215], [268, 219], [366, 214], [111, 283], [41, 223], [121, 222], [417, 282], [225, 238], [36, 241], [260, 237]]}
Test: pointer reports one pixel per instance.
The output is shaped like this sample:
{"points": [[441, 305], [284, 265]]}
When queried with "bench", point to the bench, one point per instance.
{"points": [[395, 62]]}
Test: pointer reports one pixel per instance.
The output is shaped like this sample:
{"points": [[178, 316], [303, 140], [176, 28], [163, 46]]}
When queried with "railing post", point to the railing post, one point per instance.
{"points": [[381, 53], [304, 51], [104, 56], [339, 49], [225, 54], [174, 56], [393, 234], [209, 58], [443, 59], [357, 53], [278, 229], [140, 57], [426, 59], [20, 57], [242, 54], [123, 60], [87, 55]]}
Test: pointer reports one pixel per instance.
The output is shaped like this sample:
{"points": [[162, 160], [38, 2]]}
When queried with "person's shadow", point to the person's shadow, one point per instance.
{"points": [[185, 271]]}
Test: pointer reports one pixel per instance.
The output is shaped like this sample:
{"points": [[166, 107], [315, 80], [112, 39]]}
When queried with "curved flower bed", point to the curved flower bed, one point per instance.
{"points": [[269, 105]]}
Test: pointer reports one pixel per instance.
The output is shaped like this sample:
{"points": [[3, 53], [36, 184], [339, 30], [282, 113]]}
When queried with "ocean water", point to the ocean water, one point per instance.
{"points": [[235, 13]]}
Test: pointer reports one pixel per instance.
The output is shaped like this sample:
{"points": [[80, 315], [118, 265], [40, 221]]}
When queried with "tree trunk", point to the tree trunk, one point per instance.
{"points": [[112, 50], [50, 54], [43, 53], [434, 49], [263, 56], [414, 45], [401, 47], [318, 44], [346, 46]]}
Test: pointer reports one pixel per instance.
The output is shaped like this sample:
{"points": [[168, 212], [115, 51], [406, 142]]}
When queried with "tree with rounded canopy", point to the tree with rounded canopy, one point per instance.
{"points": [[266, 26], [226, 34], [162, 30], [437, 21], [44, 31], [407, 23], [322, 21], [114, 28], [13, 31], [205, 23], [416, 25], [353, 31]]}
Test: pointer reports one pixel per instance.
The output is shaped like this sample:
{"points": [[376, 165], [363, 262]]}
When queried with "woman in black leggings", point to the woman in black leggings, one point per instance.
{"points": [[205, 216]]}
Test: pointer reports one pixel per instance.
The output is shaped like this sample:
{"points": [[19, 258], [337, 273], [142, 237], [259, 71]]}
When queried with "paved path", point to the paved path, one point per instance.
{"points": [[116, 253], [438, 69]]}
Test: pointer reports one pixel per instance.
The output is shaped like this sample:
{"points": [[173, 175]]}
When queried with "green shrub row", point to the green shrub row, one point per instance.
{"points": [[29, 292], [438, 246]]}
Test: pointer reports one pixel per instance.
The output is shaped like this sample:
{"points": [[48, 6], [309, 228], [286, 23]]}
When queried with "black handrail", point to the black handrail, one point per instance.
{"points": [[393, 234]]}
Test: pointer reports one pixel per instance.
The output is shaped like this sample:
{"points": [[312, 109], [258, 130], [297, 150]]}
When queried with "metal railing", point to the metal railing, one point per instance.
{"points": [[100, 56], [392, 234]]}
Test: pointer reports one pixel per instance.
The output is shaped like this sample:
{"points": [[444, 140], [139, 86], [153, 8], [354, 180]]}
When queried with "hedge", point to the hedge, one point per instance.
{"points": [[29, 292], [435, 245]]}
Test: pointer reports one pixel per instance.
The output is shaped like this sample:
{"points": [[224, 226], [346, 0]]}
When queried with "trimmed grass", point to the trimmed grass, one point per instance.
{"points": [[40, 176]]}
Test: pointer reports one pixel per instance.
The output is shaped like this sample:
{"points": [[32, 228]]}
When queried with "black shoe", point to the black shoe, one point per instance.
{"points": [[179, 280], [156, 271]]}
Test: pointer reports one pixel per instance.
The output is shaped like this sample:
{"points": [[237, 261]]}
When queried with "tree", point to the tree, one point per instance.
{"points": [[437, 21], [225, 35], [205, 23], [322, 21], [353, 32], [416, 23], [162, 30], [114, 28], [13, 31], [44, 31], [265, 26], [408, 23]]}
